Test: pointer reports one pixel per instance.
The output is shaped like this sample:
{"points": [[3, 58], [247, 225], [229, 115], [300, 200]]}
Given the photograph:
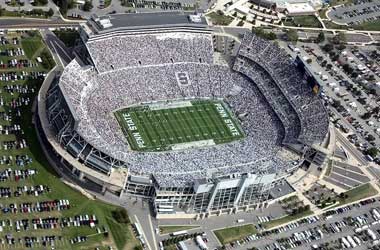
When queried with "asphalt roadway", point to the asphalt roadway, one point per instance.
{"points": [[15, 23]]}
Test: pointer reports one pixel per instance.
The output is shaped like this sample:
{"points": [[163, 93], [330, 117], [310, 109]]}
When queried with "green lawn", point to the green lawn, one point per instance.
{"points": [[22, 13], [170, 229], [339, 2], [322, 13], [231, 234], [107, 3], [286, 219], [358, 193], [15, 3], [219, 19], [331, 25], [372, 25], [120, 234], [303, 21], [329, 168], [159, 127], [31, 46]]}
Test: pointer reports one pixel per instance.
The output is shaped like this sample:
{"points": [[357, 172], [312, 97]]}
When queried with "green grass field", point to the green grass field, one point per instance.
{"points": [[371, 25], [120, 233], [286, 219], [219, 18], [227, 235], [32, 46], [358, 193], [158, 128], [304, 21]]}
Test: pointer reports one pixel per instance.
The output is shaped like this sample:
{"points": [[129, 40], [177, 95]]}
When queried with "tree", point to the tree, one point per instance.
{"points": [[336, 103], [376, 110], [341, 46], [50, 12], [347, 68], [328, 47], [372, 91], [321, 37], [339, 38], [309, 60], [42, 2], [87, 6], [372, 152], [260, 32], [292, 35], [370, 138], [335, 57], [366, 115]]}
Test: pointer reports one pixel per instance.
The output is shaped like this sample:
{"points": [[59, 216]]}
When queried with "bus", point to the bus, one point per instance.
{"points": [[179, 233]]}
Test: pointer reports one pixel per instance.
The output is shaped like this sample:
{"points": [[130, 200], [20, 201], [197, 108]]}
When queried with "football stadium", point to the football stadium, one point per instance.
{"points": [[160, 106]]}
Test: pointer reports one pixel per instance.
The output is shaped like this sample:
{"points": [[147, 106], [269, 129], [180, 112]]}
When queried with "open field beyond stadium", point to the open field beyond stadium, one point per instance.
{"points": [[227, 235], [178, 125], [120, 234]]}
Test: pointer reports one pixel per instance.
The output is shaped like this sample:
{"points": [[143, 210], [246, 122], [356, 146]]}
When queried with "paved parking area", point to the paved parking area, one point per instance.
{"points": [[337, 183], [332, 228], [358, 38], [355, 13], [349, 167], [346, 176], [347, 172]]}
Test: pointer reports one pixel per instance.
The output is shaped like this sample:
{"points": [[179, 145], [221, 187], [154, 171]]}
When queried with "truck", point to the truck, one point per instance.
{"points": [[294, 49], [352, 242], [201, 244], [346, 243], [375, 214], [371, 234]]}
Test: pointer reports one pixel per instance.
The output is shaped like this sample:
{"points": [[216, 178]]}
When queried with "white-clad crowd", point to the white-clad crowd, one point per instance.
{"points": [[272, 106], [290, 85]]}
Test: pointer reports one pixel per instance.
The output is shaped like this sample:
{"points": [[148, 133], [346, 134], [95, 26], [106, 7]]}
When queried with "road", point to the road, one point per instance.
{"points": [[19, 23]]}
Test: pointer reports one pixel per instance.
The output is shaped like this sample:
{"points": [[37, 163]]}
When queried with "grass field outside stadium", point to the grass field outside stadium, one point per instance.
{"points": [[178, 125]]}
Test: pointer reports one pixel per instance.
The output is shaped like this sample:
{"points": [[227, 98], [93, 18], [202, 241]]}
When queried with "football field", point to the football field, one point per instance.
{"points": [[167, 126]]}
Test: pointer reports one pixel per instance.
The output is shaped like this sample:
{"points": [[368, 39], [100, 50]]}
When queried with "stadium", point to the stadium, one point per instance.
{"points": [[161, 107]]}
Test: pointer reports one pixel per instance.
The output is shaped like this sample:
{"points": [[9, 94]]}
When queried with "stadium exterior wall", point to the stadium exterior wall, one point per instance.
{"points": [[203, 198]]}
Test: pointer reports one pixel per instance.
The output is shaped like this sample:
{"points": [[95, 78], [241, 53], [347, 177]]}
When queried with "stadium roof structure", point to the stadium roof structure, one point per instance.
{"points": [[139, 20]]}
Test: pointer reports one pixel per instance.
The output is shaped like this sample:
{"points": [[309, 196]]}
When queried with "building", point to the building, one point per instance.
{"points": [[170, 58]]}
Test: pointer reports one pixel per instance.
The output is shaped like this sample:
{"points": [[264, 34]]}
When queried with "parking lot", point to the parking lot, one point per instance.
{"points": [[357, 12], [38, 211], [348, 97], [346, 176], [333, 228]]}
